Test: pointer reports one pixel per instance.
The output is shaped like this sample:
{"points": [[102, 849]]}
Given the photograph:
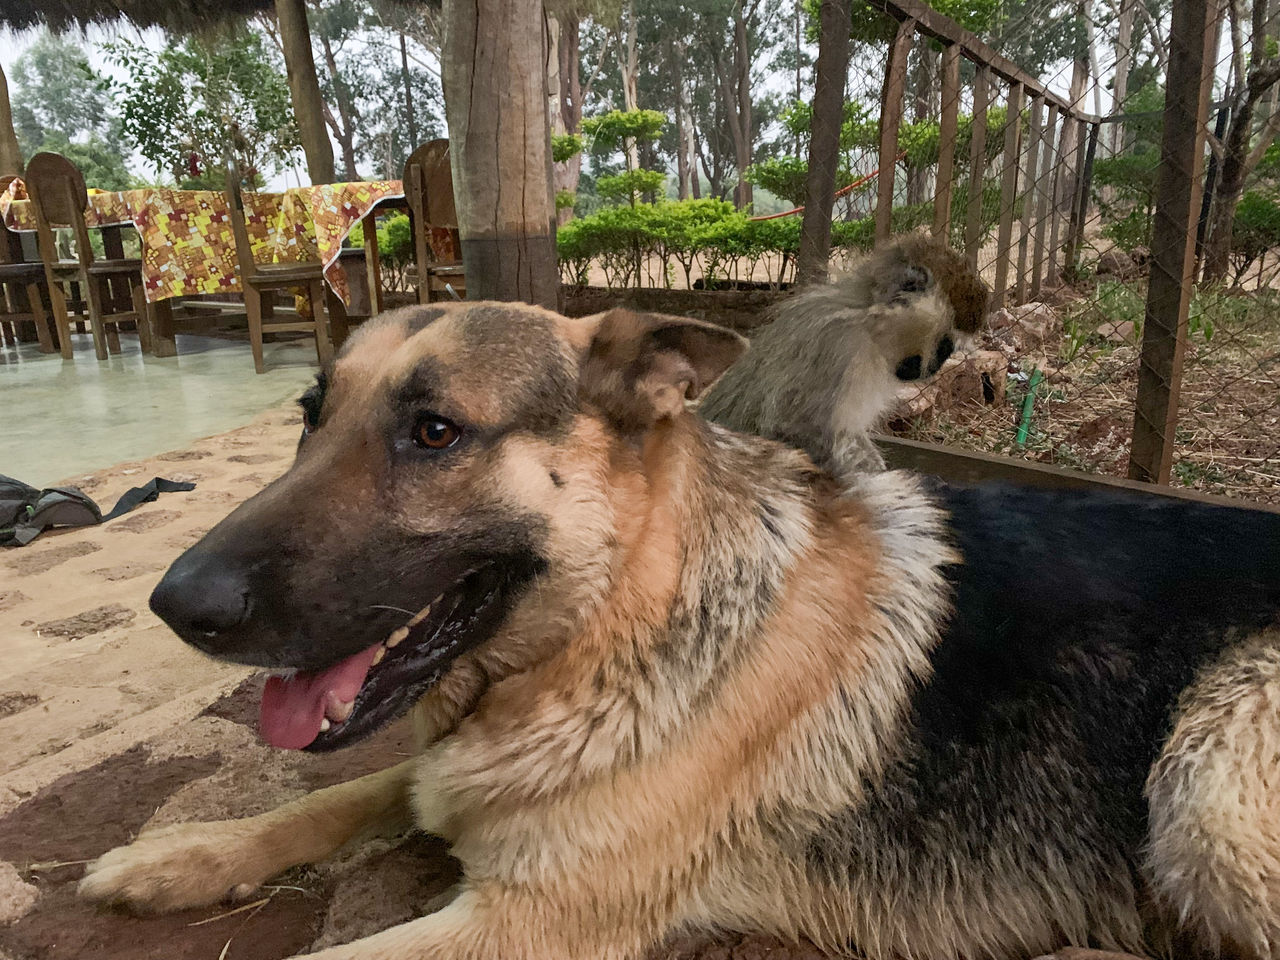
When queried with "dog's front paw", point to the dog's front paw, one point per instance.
{"points": [[169, 868]]}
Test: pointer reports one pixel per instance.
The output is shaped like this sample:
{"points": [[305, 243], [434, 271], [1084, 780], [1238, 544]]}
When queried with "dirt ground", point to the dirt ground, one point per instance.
{"points": [[110, 724]]}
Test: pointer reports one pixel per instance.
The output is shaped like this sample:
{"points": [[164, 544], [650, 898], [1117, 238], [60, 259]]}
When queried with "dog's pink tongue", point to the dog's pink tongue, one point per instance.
{"points": [[293, 707]]}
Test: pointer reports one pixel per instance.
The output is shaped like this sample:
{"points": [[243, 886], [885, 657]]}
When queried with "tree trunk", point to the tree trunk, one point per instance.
{"points": [[1095, 72], [304, 89], [494, 78], [682, 124], [835, 19], [1241, 152], [1229, 189], [1124, 63], [742, 140], [695, 179], [924, 109], [408, 96], [563, 62], [629, 68], [344, 129], [10, 152]]}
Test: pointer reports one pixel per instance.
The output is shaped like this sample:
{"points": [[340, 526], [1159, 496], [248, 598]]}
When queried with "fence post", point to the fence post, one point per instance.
{"points": [[1044, 184], [1080, 210], [977, 164], [1034, 136], [890, 118], [947, 142], [1178, 191], [1008, 189]]}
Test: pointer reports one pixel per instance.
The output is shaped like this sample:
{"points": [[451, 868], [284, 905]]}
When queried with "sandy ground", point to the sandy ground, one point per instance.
{"points": [[109, 723]]}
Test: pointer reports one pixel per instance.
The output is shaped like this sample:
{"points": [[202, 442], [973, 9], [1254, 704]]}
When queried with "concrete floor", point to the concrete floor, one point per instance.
{"points": [[63, 418]]}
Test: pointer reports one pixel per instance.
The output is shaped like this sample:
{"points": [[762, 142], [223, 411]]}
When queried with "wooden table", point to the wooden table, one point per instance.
{"points": [[188, 247]]}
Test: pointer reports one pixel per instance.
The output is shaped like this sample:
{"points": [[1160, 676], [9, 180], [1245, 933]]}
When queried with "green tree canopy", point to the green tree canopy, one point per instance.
{"points": [[60, 104], [184, 106]]}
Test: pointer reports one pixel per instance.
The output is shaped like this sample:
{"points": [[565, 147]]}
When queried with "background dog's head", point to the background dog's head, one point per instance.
{"points": [[457, 480]]}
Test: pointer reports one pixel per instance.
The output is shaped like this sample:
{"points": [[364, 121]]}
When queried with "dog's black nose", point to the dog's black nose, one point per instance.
{"points": [[200, 599]]}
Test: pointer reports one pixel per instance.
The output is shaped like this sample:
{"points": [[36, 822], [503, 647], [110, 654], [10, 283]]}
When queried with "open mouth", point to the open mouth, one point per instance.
{"points": [[330, 708]]}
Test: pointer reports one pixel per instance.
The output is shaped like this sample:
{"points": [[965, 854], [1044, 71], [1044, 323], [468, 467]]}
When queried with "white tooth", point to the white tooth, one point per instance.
{"points": [[339, 711], [397, 636], [421, 614], [377, 657], [325, 724]]}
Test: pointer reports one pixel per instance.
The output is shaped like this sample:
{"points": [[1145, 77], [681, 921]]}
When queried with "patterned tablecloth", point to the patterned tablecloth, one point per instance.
{"points": [[187, 243]]}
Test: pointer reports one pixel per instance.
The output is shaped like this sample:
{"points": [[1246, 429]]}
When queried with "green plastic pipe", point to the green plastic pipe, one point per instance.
{"points": [[1028, 404]]}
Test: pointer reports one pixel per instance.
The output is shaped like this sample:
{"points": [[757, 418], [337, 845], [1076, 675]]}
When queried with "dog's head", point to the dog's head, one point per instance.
{"points": [[454, 484]]}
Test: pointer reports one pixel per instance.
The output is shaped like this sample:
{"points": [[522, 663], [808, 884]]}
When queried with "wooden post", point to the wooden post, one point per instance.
{"points": [[835, 18], [977, 164], [1008, 190], [947, 142], [163, 343], [1164, 335], [372, 262], [1079, 212], [304, 89], [890, 118], [1048, 163], [1029, 181], [494, 77]]}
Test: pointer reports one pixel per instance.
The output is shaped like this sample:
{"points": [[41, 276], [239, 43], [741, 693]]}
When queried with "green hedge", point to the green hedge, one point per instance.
{"points": [[680, 233]]}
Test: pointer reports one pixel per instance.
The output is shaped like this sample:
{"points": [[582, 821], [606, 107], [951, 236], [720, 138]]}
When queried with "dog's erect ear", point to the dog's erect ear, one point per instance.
{"points": [[641, 367]]}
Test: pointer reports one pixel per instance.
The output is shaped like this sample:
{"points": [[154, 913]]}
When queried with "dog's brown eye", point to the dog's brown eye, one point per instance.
{"points": [[435, 433]]}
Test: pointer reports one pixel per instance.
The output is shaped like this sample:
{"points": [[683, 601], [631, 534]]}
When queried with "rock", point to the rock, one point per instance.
{"points": [[1118, 331], [1115, 262], [1026, 326], [17, 897]]}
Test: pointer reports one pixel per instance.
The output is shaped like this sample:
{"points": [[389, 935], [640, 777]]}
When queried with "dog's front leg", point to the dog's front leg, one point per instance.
{"points": [[194, 864], [486, 922]]}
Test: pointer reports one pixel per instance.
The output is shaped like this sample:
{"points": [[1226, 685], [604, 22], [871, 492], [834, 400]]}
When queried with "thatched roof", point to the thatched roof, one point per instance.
{"points": [[179, 15]]}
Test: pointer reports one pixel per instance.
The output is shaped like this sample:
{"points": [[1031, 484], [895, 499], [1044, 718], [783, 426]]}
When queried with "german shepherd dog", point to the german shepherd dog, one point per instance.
{"points": [[672, 677]]}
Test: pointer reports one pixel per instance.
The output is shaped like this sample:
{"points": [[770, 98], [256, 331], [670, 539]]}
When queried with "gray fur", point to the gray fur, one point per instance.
{"points": [[826, 370]]}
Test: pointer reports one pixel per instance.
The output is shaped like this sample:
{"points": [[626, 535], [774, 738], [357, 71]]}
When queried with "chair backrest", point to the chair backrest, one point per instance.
{"points": [[11, 247], [235, 209], [59, 198], [428, 184]]}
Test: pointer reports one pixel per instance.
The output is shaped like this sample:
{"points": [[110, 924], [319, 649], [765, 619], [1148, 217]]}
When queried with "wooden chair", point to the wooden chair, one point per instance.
{"points": [[20, 296], [428, 189], [261, 280], [58, 197]]}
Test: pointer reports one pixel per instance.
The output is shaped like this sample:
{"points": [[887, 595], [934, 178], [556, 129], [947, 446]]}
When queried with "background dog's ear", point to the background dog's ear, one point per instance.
{"points": [[641, 367]]}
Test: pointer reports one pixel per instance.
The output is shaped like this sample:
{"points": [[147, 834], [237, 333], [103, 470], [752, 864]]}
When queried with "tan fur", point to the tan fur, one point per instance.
{"points": [[1214, 854]]}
